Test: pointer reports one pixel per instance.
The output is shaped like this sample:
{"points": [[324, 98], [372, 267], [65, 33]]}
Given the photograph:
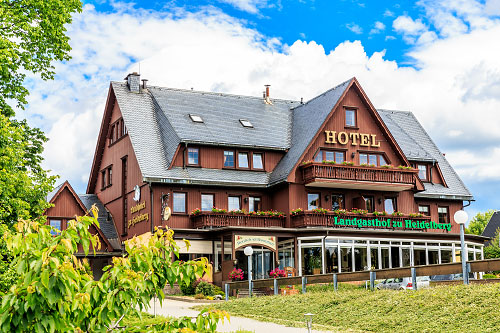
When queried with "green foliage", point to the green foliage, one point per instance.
{"points": [[55, 291], [24, 183], [32, 38], [456, 308], [492, 251], [490, 276], [208, 289], [479, 222], [7, 271], [188, 289]]}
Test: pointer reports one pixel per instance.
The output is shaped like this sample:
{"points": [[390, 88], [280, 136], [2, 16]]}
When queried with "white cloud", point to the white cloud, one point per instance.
{"points": [[452, 89], [492, 7], [250, 6], [377, 28], [354, 28], [409, 28], [388, 13]]}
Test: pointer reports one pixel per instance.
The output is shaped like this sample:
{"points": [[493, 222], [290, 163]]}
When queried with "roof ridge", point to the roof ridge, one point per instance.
{"points": [[326, 92], [214, 93]]}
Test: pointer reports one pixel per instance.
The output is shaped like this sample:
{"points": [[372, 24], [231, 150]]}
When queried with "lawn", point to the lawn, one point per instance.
{"points": [[444, 308]]}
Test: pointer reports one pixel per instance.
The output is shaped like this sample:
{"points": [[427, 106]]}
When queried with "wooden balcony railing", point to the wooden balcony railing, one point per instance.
{"points": [[358, 173], [313, 219], [226, 219]]}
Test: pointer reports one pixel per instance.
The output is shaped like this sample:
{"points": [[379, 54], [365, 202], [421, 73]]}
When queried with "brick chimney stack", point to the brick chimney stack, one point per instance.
{"points": [[267, 99]]}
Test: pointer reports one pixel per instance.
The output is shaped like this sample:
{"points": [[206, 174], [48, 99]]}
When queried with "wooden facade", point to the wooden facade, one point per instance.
{"points": [[116, 175]]}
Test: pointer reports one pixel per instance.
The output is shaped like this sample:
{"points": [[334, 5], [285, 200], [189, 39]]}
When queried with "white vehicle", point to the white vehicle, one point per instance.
{"points": [[404, 283]]}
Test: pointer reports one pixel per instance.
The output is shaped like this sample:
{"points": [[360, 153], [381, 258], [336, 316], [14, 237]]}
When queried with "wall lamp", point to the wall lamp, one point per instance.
{"points": [[327, 197], [353, 154]]}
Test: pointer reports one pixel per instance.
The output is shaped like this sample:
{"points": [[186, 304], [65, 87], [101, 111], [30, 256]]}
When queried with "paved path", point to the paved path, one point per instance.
{"points": [[178, 309]]}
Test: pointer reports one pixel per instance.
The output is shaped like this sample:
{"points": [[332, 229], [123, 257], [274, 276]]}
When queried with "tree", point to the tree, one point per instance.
{"points": [[56, 292], [479, 222], [32, 38], [24, 184]]}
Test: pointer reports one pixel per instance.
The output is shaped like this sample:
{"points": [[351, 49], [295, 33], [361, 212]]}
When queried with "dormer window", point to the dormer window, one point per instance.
{"points": [[196, 118], [246, 123], [422, 171]]}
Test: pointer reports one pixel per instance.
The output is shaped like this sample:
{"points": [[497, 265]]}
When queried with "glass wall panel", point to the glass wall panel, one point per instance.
{"points": [[419, 257], [395, 256], [286, 257], [406, 257], [385, 258], [346, 259], [471, 256], [433, 257], [360, 259], [374, 257], [311, 260], [446, 256], [332, 259]]}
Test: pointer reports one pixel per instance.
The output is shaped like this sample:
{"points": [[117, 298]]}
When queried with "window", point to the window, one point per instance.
{"points": [[246, 123], [337, 201], [369, 204], [193, 156], [228, 159], [257, 161], [57, 224], [254, 204], [350, 118], [207, 202], [243, 160], [195, 118], [179, 202], [422, 171], [443, 215], [390, 205], [106, 176], [424, 210], [330, 156], [372, 159], [312, 201], [233, 203], [116, 131]]}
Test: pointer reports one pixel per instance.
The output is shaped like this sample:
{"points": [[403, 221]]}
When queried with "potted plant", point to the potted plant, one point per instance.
{"points": [[277, 273]]}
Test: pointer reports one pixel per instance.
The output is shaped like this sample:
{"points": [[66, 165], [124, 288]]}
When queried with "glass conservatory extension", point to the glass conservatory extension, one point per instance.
{"points": [[330, 254]]}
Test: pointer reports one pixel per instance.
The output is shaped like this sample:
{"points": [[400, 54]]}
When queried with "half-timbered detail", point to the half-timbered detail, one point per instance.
{"points": [[329, 185]]}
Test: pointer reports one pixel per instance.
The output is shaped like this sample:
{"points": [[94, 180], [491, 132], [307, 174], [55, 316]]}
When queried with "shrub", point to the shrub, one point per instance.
{"points": [[208, 289], [188, 289], [199, 296], [490, 276]]}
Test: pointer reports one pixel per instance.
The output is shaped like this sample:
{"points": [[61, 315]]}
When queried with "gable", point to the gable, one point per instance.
{"points": [[66, 204], [369, 135]]}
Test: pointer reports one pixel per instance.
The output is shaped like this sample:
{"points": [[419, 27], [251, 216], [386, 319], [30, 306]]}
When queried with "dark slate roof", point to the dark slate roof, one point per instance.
{"points": [[306, 122], [158, 121], [205, 176], [221, 114], [51, 194], [105, 221], [492, 226], [410, 127]]}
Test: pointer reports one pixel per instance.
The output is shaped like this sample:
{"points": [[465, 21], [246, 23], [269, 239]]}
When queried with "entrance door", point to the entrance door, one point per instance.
{"points": [[263, 263]]}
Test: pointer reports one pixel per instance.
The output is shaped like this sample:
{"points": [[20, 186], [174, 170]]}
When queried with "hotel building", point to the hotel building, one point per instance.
{"points": [[328, 185]]}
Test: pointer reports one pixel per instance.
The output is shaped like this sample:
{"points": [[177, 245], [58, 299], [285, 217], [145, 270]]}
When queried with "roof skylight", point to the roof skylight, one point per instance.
{"points": [[246, 123], [195, 118]]}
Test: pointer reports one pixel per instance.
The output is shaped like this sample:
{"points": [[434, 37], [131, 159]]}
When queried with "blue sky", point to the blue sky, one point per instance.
{"points": [[437, 59]]}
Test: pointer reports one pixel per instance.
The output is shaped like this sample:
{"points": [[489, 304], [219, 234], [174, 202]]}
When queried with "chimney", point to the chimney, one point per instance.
{"points": [[133, 82], [144, 83], [266, 95]]}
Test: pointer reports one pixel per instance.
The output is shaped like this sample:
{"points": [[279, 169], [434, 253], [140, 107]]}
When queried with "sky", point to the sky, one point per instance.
{"points": [[437, 59]]}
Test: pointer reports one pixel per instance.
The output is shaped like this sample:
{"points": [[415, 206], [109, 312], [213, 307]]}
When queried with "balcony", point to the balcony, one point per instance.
{"points": [[205, 220], [358, 177], [332, 220]]}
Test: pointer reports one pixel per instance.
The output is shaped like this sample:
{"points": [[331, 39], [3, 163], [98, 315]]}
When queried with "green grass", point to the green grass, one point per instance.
{"points": [[441, 309]]}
